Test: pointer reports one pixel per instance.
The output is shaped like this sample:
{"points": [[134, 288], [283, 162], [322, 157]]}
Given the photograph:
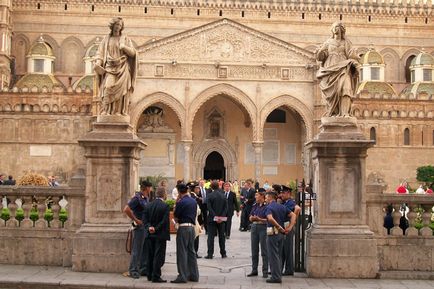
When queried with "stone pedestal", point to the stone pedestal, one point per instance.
{"points": [[112, 152], [340, 244]]}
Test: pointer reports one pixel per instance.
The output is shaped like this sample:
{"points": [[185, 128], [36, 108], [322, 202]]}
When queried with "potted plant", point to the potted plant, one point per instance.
{"points": [[171, 204]]}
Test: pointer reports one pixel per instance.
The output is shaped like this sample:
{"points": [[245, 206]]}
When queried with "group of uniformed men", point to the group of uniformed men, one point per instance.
{"points": [[270, 223]]}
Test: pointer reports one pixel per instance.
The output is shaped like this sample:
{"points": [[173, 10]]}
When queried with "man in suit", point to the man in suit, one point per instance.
{"points": [[217, 211], [202, 203], [247, 200], [156, 219], [232, 206]]}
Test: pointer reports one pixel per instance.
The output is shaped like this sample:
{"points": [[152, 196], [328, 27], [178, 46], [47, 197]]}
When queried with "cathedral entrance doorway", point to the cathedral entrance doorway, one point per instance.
{"points": [[214, 167]]}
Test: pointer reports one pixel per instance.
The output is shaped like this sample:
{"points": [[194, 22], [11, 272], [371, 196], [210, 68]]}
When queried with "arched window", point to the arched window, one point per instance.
{"points": [[406, 137], [407, 69], [373, 135]]}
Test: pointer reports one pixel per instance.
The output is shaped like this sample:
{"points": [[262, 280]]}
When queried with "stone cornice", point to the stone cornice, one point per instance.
{"points": [[388, 7]]}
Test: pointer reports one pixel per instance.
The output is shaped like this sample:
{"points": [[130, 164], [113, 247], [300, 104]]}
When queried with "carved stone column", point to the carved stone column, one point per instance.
{"points": [[258, 146], [340, 244], [112, 152], [187, 151]]}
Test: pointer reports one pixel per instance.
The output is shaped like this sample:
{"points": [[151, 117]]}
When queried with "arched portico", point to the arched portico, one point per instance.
{"points": [[162, 97], [293, 103], [228, 90]]}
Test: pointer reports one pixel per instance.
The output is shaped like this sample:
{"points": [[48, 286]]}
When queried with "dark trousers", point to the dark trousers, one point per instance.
{"points": [[186, 261], [196, 244], [245, 223], [274, 251], [204, 212], [258, 238], [139, 258], [288, 253], [213, 228], [156, 257], [229, 225]]}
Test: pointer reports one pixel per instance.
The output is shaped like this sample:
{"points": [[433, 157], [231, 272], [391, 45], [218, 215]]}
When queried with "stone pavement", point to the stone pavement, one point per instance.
{"points": [[216, 273]]}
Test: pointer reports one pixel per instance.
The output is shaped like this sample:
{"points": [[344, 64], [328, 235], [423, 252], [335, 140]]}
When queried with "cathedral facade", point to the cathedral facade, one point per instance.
{"points": [[225, 89]]}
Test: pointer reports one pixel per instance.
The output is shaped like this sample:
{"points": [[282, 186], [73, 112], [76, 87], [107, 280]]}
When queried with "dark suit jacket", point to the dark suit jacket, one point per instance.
{"points": [[157, 215], [249, 196], [217, 205], [232, 203]]}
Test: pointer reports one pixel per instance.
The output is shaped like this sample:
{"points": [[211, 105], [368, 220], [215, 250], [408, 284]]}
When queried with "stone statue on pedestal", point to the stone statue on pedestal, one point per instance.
{"points": [[338, 73], [116, 69]]}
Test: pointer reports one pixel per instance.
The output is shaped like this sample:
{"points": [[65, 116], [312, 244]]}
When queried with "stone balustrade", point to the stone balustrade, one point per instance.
{"points": [[408, 250], [31, 199], [32, 234]]}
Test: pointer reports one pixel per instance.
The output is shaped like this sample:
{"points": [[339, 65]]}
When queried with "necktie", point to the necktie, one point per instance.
{"points": [[227, 195]]}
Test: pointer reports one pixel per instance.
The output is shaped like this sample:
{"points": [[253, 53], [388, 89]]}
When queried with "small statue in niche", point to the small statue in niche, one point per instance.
{"points": [[215, 128], [153, 120]]}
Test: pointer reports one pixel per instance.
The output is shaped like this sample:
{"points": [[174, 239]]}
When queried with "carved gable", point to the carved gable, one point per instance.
{"points": [[224, 41]]}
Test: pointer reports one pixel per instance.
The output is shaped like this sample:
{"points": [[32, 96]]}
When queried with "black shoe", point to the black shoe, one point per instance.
{"points": [[198, 257], [134, 275], [288, 274], [178, 281], [208, 257], [159, 280], [273, 281], [143, 273], [251, 274], [228, 237], [193, 280], [265, 275], [224, 256]]}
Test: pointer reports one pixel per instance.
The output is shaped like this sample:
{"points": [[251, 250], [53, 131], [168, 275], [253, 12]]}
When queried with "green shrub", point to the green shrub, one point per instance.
{"points": [[5, 214], [171, 204], [20, 214], [63, 215], [34, 215], [48, 216]]}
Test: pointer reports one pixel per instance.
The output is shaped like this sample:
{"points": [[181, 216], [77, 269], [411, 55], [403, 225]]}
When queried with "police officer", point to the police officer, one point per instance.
{"points": [[288, 243], [185, 214], [276, 215], [258, 234], [135, 211]]}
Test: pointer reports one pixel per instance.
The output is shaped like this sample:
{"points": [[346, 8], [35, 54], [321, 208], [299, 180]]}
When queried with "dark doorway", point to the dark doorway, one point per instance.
{"points": [[214, 167]]}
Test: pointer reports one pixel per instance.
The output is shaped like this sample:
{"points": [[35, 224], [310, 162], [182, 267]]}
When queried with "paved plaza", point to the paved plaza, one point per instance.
{"points": [[216, 273]]}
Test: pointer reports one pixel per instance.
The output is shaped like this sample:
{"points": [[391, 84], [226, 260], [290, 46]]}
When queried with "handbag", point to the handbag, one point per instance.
{"points": [[129, 241]]}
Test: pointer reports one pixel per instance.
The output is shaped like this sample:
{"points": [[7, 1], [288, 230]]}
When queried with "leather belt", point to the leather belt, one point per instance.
{"points": [[259, 223], [186, 225]]}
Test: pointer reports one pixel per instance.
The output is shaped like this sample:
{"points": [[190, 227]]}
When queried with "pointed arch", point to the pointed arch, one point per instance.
{"points": [[20, 48], [222, 89], [153, 98], [292, 102], [391, 60], [71, 58]]}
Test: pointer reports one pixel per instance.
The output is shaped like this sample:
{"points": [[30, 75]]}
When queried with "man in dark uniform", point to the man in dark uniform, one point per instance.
{"points": [[185, 214], [156, 220], [247, 200], [232, 206], [134, 209], [276, 216], [202, 201], [288, 243], [217, 211]]}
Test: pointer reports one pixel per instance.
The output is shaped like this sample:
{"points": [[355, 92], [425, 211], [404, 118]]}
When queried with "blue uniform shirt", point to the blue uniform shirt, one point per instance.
{"points": [[290, 204], [259, 210], [185, 210], [138, 204], [279, 212]]}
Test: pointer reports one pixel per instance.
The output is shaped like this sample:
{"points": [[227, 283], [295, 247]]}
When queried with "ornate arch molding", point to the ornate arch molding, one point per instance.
{"points": [[221, 89], [156, 97], [291, 102], [64, 53], [203, 149]]}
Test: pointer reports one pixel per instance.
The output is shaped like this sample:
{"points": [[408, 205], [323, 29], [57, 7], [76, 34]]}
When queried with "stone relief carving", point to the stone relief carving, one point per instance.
{"points": [[153, 121], [225, 41]]}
